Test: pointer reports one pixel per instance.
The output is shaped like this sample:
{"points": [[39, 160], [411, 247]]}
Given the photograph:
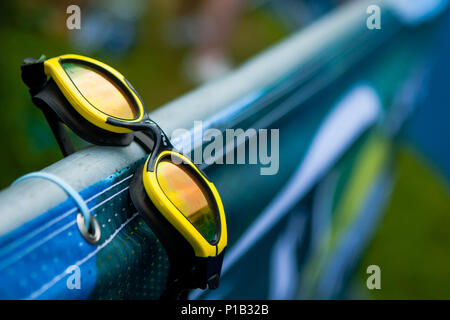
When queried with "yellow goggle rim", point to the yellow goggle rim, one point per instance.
{"points": [[54, 69], [202, 247]]}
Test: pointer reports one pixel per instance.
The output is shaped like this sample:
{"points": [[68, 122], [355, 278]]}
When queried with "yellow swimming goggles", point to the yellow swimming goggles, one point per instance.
{"points": [[173, 196]]}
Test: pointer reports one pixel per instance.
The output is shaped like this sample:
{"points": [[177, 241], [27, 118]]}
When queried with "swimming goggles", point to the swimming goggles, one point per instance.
{"points": [[174, 197]]}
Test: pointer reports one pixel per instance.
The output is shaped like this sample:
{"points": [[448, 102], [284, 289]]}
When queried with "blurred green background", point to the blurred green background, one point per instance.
{"points": [[413, 242], [32, 28]]}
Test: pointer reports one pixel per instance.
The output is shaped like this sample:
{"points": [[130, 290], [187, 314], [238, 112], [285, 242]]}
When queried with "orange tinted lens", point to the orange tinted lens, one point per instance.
{"points": [[186, 193], [100, 91]]}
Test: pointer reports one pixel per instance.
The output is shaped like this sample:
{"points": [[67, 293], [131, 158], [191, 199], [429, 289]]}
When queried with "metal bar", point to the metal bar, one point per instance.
{"points": [[24, 201]]}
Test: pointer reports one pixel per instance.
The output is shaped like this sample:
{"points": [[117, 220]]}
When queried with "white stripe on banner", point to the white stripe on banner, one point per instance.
{"points": [[358, 110], [284, 260]]}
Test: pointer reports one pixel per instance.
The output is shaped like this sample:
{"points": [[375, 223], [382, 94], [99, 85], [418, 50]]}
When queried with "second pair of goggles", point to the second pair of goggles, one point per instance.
{"points": [[180, 204]]}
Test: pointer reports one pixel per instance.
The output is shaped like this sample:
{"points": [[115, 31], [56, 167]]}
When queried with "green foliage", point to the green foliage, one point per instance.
{"points": [[412, 245], [32, 29]]}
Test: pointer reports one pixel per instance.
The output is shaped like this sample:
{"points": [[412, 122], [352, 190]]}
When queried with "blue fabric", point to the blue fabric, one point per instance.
{"points": [[34, 258]]}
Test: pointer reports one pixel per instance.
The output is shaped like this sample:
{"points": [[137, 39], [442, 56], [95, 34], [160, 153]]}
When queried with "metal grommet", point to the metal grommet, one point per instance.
{"points": [[92, 235]]}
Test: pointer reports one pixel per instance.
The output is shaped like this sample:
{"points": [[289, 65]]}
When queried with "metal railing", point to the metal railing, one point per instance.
{"points": [[22, 202]]}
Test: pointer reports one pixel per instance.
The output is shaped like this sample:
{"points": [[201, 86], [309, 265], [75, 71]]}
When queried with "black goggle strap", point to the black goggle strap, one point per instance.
{"points": [[162, 142], [60, 133], [43, 99], [143, 131], [210, 269], [33, 74], [147, 143], [206, 274]]}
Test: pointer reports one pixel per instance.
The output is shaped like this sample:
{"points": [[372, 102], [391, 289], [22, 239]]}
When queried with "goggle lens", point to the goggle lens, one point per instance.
{"points": [[100, 91], [187, 194]]}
